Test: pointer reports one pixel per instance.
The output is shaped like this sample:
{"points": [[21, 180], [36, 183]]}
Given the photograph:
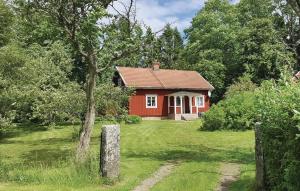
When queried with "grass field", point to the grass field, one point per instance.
{"points": [[32, 158]]}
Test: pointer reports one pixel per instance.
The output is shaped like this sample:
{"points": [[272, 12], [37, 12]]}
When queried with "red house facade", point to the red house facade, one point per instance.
{"points": [[161, 93]]}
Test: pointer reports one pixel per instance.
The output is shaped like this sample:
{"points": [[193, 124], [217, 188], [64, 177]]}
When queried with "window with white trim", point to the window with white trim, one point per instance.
{"points": [[178, 101], [151, 101], [200, 101]]}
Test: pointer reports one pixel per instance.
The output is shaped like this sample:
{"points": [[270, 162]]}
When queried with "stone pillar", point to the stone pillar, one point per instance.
{"points": [[110, 151], [259, 158]]}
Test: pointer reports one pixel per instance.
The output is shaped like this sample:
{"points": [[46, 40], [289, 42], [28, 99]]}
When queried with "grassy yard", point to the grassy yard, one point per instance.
{"points": [[32, 158]]}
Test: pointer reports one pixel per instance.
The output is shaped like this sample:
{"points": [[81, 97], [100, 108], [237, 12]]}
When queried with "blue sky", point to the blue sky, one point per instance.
{"points": [[157, 13]]}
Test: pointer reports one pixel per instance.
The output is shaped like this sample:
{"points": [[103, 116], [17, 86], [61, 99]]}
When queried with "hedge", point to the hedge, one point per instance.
{"points": [[276, 106], [278, 112]]}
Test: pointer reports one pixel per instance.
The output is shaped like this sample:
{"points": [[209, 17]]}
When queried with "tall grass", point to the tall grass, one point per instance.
{"points": [[65, 172]]}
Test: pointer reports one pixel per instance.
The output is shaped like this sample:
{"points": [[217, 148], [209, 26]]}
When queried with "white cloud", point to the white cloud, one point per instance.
{"points": [[234, 1], [157, 13]]}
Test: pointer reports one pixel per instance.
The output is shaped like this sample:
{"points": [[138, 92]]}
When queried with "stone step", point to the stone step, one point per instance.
{"points": [[189, 117]]}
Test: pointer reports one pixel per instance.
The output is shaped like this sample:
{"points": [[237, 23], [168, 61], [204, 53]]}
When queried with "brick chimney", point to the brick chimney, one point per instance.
{"points": [[155, 65]]}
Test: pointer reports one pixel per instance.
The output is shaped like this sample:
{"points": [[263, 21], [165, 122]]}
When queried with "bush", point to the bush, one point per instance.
{"points": [[214, 119], [34, 85], [235, 112], [243, 84], [278, 112], [133, 119], [112, 102], [276, 107]]}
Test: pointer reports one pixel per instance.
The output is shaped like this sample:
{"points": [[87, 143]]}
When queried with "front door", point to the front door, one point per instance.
{"points": [[186, 104]]}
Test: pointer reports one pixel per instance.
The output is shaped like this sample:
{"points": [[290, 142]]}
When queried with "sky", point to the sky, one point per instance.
{"points": [[157, 13]]}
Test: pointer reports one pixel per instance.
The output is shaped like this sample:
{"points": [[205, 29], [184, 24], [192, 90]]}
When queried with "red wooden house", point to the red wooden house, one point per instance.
{"points": [[161, 93]]}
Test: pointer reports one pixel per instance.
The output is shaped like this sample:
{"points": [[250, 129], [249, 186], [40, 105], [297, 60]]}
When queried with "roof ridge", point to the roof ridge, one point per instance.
{"points": [[153, 73], [159, 69]]}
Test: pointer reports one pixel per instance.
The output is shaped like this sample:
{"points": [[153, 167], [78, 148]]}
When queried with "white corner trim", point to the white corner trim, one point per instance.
{"points": [[151, 95]]}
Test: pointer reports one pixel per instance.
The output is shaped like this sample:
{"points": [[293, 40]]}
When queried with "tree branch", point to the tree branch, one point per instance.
{"points": [[295, 5]]}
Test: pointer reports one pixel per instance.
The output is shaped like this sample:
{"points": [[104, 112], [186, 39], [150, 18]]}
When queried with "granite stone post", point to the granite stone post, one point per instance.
{"points": [[259, 158], [110, 151]]}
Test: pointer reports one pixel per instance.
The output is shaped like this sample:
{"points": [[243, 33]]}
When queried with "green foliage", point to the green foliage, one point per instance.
{"points": [[171, 46], [133, 119], [212, 48], [243, 84], [214, 119], [151, 48], [278, 114], [112, 102], [225, 41], [214, 72], [235, 112], [276, 107], [6, 22], [33, 27], [58, 105], [34, 84]]}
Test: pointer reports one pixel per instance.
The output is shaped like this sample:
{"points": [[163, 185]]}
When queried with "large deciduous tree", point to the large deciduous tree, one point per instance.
{"points": [[225, 41], [263, 52], [6, 19], [93, 41], [211, 47]]}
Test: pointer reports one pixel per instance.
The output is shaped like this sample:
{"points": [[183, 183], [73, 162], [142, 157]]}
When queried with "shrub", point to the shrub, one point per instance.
{"points": [[214, 119], [276, 107], [34, 85], [235, 112], [133, 119], [243, 84], [279, 114], [112, 102]]}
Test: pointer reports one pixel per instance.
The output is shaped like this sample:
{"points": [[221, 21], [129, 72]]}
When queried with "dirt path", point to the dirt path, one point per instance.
{"points": [[161, 173], [230, 173]]}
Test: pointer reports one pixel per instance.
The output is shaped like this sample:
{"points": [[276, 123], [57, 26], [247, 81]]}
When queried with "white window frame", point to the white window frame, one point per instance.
{"points": [[203, 103], [151, 95], [178, 105]]}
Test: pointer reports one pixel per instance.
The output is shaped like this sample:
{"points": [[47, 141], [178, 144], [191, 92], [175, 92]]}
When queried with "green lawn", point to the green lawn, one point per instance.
{"points": [[37, 159]]}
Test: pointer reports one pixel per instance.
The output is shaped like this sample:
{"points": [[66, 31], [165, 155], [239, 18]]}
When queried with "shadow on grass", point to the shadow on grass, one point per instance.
{"points": [[201, 154], [47, 141], [246, 183], [27, 128], [21, 130], [46, 157]]}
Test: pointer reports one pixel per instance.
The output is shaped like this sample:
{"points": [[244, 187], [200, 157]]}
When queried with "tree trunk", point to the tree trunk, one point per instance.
{"points": [[85, 136]]}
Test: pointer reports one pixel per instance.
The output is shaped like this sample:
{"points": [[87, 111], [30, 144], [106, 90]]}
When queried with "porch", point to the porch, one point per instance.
{"points": [[185, 105]]}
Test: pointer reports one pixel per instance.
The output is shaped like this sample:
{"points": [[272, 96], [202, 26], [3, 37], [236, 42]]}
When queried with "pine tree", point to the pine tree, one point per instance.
{"points": [[171, 45]]}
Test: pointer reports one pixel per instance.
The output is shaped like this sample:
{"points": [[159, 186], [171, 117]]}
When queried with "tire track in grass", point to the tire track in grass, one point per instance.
{"points": [[156, 177], [230, 172]]}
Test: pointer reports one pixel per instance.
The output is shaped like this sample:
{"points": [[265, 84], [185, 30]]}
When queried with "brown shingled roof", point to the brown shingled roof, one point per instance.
{"points": [[147, 78]]}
